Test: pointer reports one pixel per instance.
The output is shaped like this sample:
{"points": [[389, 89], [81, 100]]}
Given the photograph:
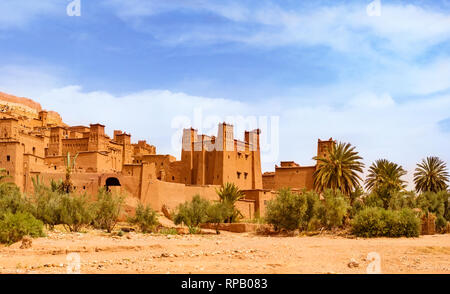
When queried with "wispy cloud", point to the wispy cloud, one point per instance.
{"points": [[345, 28], [20, 13]]}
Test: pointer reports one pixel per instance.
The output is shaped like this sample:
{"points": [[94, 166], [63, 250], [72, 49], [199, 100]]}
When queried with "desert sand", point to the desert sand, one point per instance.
{"points": [[227, 253]]}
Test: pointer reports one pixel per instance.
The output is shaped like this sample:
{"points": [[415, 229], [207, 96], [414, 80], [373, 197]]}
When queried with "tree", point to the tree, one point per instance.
{"points": [[67, 185], [340, 170], [229, 194], [107, 210], [192, 213], [218, 213], [287, 211], [385, 179], [146, 218], [431, 175]]}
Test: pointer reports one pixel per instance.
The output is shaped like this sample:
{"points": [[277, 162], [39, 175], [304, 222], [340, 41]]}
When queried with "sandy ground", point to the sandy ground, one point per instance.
{"points": [[227, 253]]}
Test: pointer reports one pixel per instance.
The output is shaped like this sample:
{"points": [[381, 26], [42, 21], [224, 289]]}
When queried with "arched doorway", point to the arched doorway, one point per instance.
{"points": [[112, 184]]}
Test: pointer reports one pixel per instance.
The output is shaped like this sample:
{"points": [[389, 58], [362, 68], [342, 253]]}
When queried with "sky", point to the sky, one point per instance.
{"points": [[375, 74]]}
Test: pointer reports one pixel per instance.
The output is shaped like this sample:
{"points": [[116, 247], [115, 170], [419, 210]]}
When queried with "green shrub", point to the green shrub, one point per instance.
{"points": [[11, 200], [168, 231], [219, 212], [192, 213], [372, 200], [106, 210], [146, 218], [430, 202], [76, 212], [441, 223], [312, 204], [379, 222], [287, 211], [356, 207], [333, 209], [13, 227], [47, 207], [401, 200]]}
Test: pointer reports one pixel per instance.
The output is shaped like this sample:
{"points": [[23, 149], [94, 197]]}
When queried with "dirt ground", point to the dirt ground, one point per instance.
{"points": [[227, 253]]}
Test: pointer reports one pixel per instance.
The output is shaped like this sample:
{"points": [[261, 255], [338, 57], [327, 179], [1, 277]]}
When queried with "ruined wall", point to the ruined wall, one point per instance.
{"points": [[296, 177], [268, 180], [158, 193], [261, 199]]}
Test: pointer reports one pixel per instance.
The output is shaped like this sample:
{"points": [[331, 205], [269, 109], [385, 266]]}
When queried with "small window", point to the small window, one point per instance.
{"points": [[245, 175], [8, 158], [173, 178], [238, 175]]}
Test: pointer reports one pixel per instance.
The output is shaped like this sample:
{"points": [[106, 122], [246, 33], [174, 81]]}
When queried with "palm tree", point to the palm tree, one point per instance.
{"points": [[67, 185], [431, 175], [385, 179], [340, 170], [229, 194], [387, 174]]}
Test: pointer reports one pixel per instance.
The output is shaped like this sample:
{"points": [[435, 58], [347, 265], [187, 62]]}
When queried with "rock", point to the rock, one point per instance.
{"points": [[26, 242], [353, 263]]}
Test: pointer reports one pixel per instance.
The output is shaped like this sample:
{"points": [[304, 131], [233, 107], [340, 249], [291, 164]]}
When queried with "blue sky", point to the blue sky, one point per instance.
{"points": [[323, 68]]}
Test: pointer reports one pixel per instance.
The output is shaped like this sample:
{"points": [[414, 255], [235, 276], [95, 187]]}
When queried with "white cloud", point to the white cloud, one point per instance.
{"points": [[345, 28]]}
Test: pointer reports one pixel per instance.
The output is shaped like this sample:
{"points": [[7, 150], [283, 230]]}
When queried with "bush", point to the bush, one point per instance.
{"points": [[312, 204], [192, 213], [47, 207], [13, 227], [146, 218], [219, 212], [372, 200], [403, 200], [441, 223], [356, 207], [11, 200], [433, 202], [333, 209], [379, 222], [75, 212], [287, 211], [168, 231], [107, 210]]}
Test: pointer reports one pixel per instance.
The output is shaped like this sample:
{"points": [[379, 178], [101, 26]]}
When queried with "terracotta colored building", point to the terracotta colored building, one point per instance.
{"points": [[291, 175], [35, 142]]}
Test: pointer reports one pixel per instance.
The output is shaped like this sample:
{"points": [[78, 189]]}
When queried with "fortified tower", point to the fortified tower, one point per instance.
{"points": [[324, 147], [217, 160]]}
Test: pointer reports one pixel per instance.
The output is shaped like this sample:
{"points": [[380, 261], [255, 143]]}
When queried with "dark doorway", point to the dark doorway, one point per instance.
{"points": [[112, 182]]}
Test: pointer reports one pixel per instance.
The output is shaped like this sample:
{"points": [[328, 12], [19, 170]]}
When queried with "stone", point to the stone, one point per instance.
{"points": [[353, 263], [27, 242]]}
